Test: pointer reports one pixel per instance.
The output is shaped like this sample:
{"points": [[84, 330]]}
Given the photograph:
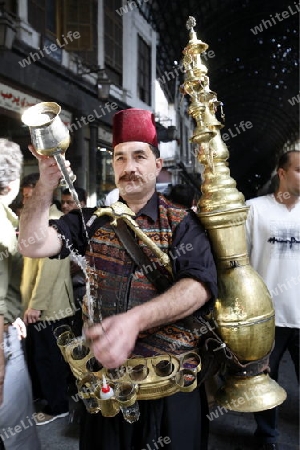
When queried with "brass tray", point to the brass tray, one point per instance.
{"points": [[151, 383]]}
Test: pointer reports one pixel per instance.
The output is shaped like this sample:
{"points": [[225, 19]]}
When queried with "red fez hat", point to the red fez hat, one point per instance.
{"points": [[134, 125]]}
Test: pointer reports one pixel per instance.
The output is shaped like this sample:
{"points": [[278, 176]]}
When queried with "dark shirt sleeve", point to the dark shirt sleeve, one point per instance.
{"points": [[192, 257], [72, 232]]}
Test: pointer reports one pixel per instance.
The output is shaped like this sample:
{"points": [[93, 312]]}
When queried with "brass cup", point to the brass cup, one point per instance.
{"points": [[192, 361], [125, 393], [117, 373], [186, 379], [162, 365], [137, 368], [86, 391], [93, 365], [80, 349], [61, 329], [48, 133], [64, 337]]}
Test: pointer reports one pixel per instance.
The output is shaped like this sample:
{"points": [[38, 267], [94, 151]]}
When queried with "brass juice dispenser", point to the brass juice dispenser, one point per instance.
{"points": [[243, 312]]}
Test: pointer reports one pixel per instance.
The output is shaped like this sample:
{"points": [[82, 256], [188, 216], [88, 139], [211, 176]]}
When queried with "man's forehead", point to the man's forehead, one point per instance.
{"points": [[294, 161], [131, 147], [24, 188], [66, 196], [296, 157]]}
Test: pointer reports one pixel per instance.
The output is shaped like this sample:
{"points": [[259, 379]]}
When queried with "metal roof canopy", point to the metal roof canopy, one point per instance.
{"points": [[254, 70]]}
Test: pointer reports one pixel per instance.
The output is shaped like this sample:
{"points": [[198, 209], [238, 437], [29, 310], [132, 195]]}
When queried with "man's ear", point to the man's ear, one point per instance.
{"points": [[159, 164], [280, 172]]}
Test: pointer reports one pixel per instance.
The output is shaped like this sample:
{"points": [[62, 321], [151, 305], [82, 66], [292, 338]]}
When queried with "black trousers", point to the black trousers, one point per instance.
{"points": [[176, 422], [47, 368], [285, 339]]}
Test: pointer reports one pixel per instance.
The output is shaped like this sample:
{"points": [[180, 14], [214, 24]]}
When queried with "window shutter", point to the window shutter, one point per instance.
{"points": [[78, 17]]}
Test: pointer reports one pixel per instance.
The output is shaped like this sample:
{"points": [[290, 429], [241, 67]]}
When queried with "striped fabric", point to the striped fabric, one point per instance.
{"points": [[120, 285]]}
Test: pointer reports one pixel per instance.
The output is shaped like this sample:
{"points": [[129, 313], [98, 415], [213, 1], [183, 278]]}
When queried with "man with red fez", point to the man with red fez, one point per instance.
{"points": [[139, 318]]}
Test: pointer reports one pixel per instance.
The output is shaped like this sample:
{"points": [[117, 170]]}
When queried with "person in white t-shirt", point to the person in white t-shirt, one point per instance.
{"points": [[273, 237], [112, 197]]}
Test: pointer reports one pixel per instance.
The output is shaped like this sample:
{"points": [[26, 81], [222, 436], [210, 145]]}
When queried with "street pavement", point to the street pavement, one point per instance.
{"points": [[230, 431]]}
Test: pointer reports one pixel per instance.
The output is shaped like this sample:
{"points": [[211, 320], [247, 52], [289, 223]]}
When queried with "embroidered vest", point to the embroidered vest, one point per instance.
{"points": [[120, 285]]}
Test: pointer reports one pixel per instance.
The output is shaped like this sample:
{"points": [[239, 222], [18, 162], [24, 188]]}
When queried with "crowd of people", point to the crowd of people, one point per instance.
{"points": [[43, 287]]}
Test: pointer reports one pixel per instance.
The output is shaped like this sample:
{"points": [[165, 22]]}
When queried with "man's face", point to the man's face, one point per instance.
{"points": [[290, 178], [67, 203], [27, 193], [136, 169]]}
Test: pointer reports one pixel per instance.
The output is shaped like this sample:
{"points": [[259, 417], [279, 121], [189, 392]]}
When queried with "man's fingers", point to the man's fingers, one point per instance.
{"points": [[49, 161], [94, 332], [35, 153]]}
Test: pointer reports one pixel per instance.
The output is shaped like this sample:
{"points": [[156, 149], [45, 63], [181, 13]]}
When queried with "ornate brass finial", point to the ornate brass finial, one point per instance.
{"points": [[213, 152], [191, 23]]}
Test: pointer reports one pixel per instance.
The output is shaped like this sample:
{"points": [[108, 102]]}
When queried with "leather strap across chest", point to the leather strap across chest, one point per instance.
{"points": [[161, 282]]}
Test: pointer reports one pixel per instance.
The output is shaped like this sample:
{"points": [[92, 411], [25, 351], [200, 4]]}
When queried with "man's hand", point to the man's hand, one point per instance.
{"points": [[114, 339], [31, 315], [35, 214], [50, 173], [21, 328]]}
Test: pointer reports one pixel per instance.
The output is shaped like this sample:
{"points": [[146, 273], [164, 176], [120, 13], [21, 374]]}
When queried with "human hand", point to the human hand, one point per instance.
{"points": [[50, 173], [20, 327], [113, 340], [31, 315]]}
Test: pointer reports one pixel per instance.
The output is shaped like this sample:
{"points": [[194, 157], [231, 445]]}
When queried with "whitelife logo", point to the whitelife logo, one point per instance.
{"points": [[48, 49]]}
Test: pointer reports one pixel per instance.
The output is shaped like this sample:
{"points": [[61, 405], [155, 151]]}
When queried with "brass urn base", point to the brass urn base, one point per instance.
{"points": [[250, 394]]}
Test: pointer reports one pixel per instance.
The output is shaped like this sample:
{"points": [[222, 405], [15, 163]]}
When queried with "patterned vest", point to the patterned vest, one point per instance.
{"points": [[119, 284]]}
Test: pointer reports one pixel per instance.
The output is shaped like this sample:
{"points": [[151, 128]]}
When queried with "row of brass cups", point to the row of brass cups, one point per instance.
{"points": [[140, 378]]}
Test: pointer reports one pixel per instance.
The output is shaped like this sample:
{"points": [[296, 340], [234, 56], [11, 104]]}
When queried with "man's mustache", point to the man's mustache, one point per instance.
{"points": [[130, 178]]}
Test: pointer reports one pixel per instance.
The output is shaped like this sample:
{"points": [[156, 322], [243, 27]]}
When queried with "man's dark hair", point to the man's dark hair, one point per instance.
{"points": [[30, 180], [284, 161], [11, 160], [182, 194], [80, 192], [155, 151]]}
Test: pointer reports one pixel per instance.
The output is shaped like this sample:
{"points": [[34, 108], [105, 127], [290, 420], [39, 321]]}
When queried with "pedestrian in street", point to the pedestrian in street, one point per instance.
{"points": [[67, 201], [47, 297], [273, 235], [17, 416]]}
